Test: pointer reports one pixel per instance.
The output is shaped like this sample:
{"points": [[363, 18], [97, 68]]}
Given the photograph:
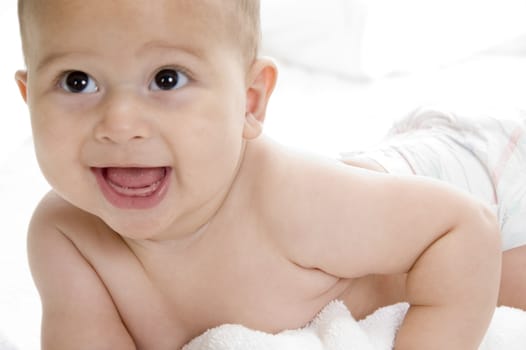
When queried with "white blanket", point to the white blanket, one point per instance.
{"points": [[335, 329]]}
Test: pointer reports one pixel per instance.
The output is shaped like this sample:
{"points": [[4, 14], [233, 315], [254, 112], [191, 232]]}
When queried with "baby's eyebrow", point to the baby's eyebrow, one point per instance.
{"points": [[57, 56], [194, 51]]}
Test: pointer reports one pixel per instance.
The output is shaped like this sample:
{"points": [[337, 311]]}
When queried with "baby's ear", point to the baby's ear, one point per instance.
{"points": [[21, 81], [261, 81]]}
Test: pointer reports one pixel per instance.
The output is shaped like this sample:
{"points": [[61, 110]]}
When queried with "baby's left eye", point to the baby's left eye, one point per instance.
{"points": [[168, 79]]}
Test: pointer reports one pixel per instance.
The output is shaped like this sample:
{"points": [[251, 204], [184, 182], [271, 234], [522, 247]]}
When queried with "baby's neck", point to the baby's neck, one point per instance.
{"points": [[240, 200]]}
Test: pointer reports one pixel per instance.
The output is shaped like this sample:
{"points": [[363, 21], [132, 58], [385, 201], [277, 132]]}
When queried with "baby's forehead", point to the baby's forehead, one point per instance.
{"points": [[210, 13], [213, 9], [223, 20]]}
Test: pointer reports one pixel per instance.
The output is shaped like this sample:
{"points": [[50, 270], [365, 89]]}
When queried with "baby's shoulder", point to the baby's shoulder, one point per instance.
{"points": [[65, 260], [56, 218], [53, 206], [54, 211]]}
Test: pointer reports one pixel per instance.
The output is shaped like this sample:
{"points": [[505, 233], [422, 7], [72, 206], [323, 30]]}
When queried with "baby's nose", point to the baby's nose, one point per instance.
{"points": [[124, 118]]}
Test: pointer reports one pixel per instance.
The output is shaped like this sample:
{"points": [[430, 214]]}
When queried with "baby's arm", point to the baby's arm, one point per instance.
{"points": [[453, 285], [370, 223], [78, 312]]}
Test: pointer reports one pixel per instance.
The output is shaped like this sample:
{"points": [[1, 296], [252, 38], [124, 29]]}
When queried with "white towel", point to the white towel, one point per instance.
{"points": [[335, 329]]}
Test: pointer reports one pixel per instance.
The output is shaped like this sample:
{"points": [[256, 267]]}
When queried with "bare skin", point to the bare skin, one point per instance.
{"points": [[241, 230], [513, 278], [513, 281], [159, 295], [219, 275]]}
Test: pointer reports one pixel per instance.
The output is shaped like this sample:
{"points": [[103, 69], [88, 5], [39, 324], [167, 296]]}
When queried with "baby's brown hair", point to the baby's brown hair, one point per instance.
{"points": [[248, 29]]}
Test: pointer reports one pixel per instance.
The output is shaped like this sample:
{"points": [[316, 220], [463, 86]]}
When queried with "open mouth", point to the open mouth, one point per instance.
{"points": [[133, 187], [134, 182]]}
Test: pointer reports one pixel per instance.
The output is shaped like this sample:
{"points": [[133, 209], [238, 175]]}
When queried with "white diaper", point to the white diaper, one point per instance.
{"points": [[482, 155]]}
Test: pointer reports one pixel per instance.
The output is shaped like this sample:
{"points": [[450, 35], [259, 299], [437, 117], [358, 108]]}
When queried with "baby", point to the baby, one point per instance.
{"points": [[170, 213]]}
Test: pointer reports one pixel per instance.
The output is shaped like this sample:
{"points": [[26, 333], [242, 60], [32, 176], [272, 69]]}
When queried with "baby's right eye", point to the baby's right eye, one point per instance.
{"points": [[78, 82]]}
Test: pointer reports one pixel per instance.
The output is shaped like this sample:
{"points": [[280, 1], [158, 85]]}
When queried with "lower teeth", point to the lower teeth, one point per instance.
{"points": [[136, 192]]}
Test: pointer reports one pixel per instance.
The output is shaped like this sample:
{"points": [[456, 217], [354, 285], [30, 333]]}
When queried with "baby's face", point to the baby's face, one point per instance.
{"points": [[137, 108]]}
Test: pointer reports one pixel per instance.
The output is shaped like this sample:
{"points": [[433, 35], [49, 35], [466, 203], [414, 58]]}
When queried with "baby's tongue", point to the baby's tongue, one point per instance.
{"points": [[134, 177]]}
